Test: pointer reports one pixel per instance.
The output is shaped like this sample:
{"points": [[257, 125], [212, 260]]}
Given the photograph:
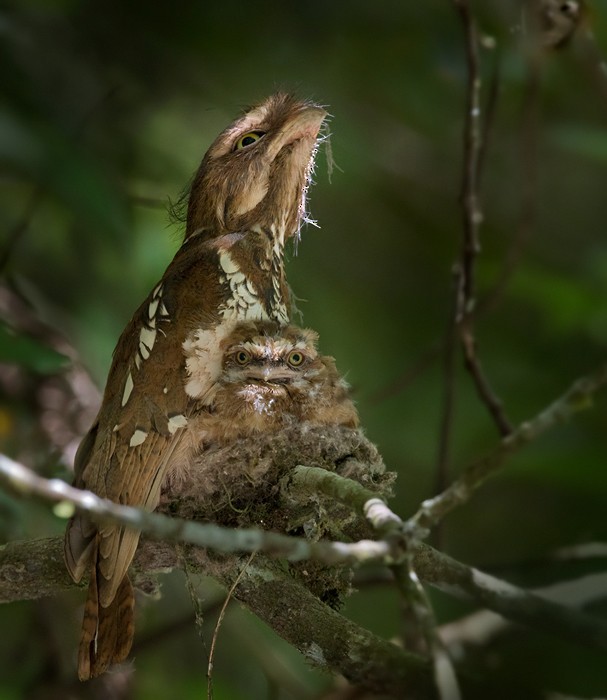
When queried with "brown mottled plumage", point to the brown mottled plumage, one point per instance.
{"points": [[273, 378], [247, 199]]}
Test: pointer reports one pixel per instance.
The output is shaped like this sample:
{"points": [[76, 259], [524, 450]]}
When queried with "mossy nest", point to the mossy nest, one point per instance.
{"points": [[243, 485]]}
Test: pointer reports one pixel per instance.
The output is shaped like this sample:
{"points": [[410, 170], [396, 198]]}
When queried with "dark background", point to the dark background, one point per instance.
{"points": [[105, 112]]}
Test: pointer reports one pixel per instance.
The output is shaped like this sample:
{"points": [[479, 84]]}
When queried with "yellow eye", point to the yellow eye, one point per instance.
{"points": [[242, 357], [248, 139], [295, 358]]}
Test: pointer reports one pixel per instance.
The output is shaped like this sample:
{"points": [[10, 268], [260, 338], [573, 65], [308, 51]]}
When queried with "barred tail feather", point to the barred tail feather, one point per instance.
{"points": [[107, 632]]}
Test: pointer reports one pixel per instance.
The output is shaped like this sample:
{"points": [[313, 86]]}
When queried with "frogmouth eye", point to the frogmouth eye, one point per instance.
{"points": [[248, 139], [242, 357], [295, 358]]}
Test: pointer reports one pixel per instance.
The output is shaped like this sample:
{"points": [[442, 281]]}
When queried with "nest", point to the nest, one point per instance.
{"points": [[243, 485]]}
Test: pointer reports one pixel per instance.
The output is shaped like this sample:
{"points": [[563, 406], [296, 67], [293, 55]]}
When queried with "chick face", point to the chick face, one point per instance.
{"points": [[272, 371], [273, 377]]}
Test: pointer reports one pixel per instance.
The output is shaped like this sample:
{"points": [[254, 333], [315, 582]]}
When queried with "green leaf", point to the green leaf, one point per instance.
{"points": [[27, 352]]}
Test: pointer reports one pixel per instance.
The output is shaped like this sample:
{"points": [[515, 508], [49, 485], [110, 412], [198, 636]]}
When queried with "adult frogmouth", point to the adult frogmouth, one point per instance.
{"points": [[248, 197]]}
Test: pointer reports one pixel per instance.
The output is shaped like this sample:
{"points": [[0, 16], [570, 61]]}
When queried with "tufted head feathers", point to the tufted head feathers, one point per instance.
{"points": [[256, 173]]}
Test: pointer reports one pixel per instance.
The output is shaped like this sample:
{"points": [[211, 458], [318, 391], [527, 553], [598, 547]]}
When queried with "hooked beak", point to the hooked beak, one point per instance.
{"points": [[305, 124]]}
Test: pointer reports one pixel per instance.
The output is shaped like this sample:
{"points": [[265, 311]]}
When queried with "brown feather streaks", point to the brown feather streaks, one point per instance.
{"points": [[107, 632]]}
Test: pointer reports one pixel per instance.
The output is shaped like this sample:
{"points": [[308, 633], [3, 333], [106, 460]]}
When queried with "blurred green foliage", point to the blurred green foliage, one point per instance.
{"points": [[105, 111], [23, 351]]}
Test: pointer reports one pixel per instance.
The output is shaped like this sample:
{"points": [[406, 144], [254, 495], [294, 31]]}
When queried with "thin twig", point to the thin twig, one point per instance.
{"points": [[448, 403], [413, 598], [577, 397], [222, 613], [472, 217]]}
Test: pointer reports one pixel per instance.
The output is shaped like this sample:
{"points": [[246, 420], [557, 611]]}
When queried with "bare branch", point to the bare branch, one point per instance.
{"points": [[456, 578], [312, 627], [510, 601], [387, 523], [414, 600], [34, 569], [24, 482], [28, 568], [576, 398], [472, 218], [472, 214]]}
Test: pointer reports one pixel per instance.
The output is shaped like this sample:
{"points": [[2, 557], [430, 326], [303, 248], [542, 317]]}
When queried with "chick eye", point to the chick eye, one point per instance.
{"points": [[248, 139], [295, 358], [242, 357]]}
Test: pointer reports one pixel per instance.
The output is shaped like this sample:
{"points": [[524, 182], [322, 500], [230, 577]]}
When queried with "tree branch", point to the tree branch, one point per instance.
{"points": [[35, 569], [414, 600], [221, 539], [472, 218], [576, 398], [29, 570], [446, 573], [312, 627]]}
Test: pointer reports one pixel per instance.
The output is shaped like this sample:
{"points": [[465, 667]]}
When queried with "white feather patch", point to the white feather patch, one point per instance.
{"points": [[236, 280], [152, 307], [204, 355], [227, 264], [244, 303], [176, 422], [137, 438], [128, 388], [147, 336]]}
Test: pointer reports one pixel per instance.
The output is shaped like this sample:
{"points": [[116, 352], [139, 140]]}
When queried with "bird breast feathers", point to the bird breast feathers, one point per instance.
{"points": [[204, 360]]}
